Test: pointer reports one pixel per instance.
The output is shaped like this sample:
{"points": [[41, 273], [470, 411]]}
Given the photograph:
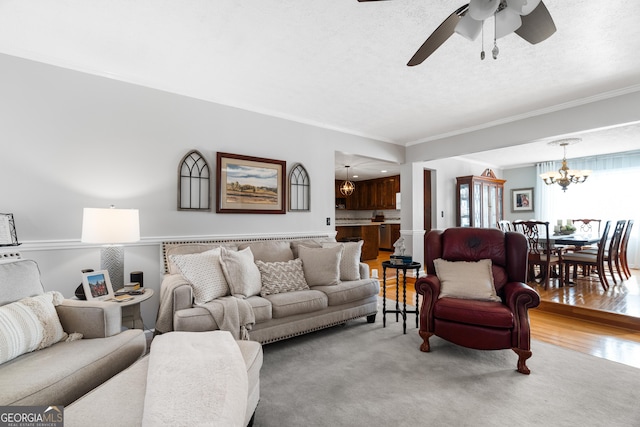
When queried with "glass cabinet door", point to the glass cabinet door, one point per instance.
{"points": [[477, 204], [465, 214], [479, 201]]}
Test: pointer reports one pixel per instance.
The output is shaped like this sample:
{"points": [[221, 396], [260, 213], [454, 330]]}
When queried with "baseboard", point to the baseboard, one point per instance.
{"points": [[597, 316]]}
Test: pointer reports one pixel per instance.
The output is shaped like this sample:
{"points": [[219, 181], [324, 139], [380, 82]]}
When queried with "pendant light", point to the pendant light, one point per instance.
{"points": [[347, 187]]}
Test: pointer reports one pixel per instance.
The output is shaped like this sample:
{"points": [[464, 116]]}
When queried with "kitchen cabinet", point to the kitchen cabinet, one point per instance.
{"points": [[368, 233], [479, 200], [370, 194]]}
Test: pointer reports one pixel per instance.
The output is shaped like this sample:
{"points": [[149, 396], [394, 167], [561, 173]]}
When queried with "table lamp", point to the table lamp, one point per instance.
{"points": [[111, 227]]}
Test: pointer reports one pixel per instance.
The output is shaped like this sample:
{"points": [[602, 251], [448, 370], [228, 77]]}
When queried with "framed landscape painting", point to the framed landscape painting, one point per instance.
{"points": [[250, 184], [522, 200]]}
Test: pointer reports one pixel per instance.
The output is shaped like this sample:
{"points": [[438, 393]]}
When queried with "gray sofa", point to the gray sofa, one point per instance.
{"points": [[186, 395], [280, 315], [65, 370]]}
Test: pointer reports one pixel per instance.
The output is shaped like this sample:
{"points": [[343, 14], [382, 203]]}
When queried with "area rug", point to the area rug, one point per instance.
{"points": [[362, 374]]}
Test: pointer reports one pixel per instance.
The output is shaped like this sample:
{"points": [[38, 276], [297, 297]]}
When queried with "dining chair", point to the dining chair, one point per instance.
{"points": [[588, 260], [624, 262], [587, 226], [505, 225], [541, 251], [613, 254]]}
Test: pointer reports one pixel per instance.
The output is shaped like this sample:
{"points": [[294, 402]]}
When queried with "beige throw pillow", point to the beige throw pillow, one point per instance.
{"points": [[204, 272], [270, 251], [467, 280], [281, 276], [350, 260], [321, 266], [241, 272]]}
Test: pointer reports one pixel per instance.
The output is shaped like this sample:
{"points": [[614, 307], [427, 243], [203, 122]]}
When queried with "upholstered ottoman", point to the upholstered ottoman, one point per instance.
{"points": [[189, 378]]}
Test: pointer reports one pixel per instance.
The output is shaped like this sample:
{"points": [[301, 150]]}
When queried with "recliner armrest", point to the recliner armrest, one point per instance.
{"points": [[429, 287], [519, 297], [93, 319]]}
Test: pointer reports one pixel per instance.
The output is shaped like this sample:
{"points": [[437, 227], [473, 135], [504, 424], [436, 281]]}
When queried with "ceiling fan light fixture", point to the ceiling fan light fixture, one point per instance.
{"points": [[482, 9], [529, 6], [469, 28], [516, 5], [507, 21]]}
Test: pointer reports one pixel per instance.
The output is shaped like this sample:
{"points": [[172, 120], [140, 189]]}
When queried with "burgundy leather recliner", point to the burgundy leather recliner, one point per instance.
{"points": [[482, 325]]}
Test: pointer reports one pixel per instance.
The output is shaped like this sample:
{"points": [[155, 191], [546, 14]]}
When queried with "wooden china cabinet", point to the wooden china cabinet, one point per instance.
{"points": [[479, 200]]}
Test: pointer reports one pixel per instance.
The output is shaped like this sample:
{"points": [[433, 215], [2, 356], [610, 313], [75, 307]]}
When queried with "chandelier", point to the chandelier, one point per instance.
{"points": [[565, 176], [347, 187], [507, 19]]}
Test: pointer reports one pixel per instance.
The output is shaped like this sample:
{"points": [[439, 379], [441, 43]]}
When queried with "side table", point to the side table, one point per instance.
{"points": [[131, 317], [404, 267]]}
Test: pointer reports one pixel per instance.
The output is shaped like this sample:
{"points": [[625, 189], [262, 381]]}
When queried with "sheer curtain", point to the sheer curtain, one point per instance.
{"points": [[608, 194]]}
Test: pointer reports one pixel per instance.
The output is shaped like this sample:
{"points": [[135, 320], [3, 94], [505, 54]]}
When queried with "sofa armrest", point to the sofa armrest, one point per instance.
{"points": [[93, 319], [429, 287], [364, 271], [175, 295]]}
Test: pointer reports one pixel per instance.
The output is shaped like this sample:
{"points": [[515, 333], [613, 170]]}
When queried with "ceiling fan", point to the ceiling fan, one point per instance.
{"points": [[530, 19]]}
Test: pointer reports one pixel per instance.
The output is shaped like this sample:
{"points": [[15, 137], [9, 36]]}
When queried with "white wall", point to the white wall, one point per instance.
{"points": [[444, 173], [71, 140], [524, 177]]}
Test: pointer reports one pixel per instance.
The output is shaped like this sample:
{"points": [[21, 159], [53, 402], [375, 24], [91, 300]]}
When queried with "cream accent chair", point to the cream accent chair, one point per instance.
{"points": [[65, 371]]}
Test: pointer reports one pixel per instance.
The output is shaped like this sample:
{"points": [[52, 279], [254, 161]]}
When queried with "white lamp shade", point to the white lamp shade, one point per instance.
{"points": [[516, 5], [530, 6], [468, 27], [110, 226], [507, 21], [482, 9]]}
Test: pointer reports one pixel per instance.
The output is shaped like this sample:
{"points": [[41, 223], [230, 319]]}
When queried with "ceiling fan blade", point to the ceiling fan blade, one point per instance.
{"points": [[537, 26], [439, 36], [362, 1]]}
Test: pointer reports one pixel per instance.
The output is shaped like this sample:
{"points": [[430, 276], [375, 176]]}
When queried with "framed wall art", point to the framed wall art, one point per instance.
{"points": [[8, 236], [522, 200], [250, 184]]}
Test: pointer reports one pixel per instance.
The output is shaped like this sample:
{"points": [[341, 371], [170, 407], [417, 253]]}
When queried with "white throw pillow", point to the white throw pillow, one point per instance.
{"points": [[30, 324], [241, 272], [269, 251], [321, 266], [350, 260], [467, 280], [204, 272], [281, 276]]}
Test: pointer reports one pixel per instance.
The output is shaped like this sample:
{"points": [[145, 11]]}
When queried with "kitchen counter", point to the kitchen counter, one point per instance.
{"points": [[368, 232], [358, 223]]}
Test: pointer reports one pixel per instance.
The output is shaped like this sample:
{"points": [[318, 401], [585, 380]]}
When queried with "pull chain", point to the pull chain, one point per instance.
{"points": [[495, 50]]}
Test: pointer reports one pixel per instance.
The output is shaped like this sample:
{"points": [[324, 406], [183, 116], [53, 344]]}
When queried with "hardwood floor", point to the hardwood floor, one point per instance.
{"points": [[582, 317]]}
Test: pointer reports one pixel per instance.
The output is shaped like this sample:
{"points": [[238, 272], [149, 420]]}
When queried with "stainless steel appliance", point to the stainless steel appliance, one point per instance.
{"points": [[385, 237]]}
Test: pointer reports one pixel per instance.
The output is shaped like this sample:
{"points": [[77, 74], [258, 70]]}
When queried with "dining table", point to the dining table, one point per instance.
{"points": [[575, 240]]}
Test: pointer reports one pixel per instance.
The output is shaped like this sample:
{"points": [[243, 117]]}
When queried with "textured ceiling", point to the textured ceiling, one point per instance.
{"points": [[339, 64]]}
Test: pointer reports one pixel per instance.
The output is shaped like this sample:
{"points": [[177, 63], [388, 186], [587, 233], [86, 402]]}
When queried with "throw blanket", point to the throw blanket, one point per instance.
{"points": [[230, 313], [164, 320], [195, 379]]}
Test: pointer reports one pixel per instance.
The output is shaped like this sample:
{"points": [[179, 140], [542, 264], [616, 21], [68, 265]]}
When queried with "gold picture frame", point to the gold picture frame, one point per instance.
{"points": [[250, 184]]}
